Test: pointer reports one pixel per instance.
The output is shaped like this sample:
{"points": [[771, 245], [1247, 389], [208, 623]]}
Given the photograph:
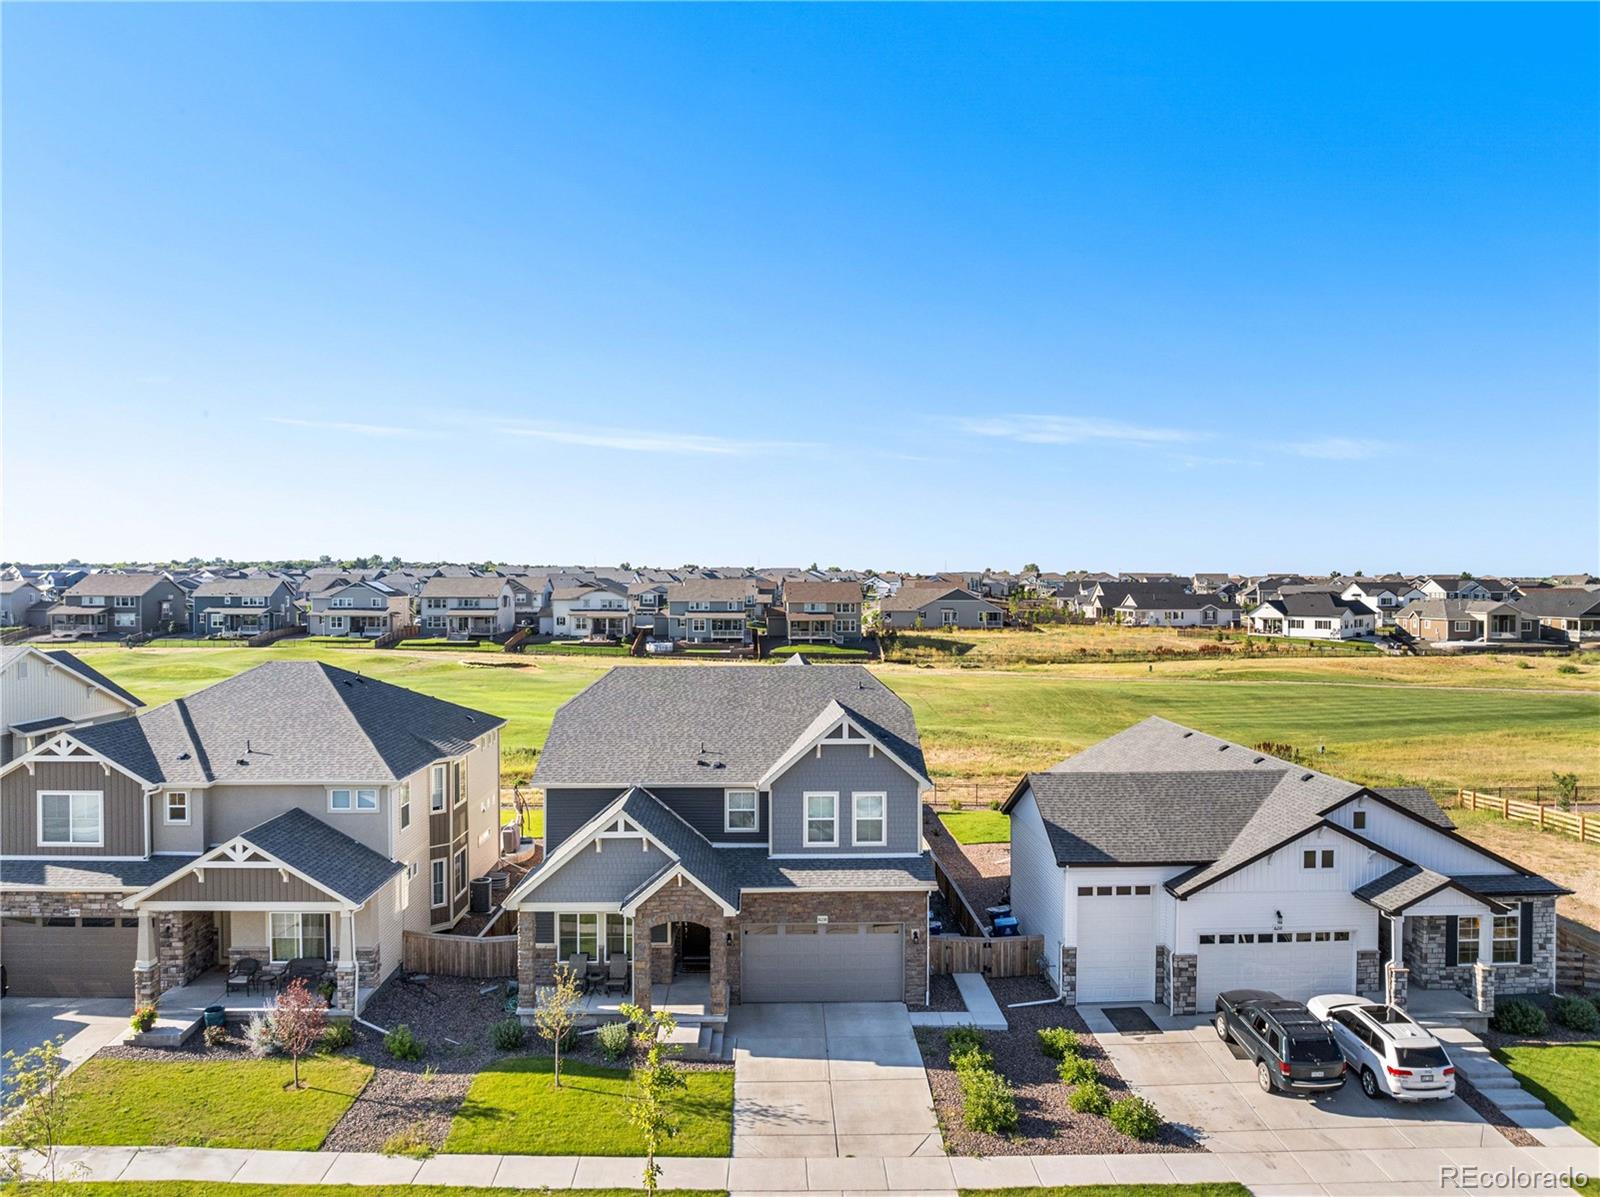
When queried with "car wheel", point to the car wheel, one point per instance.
{"points": [[1263, 1076], [1369, 1084], [1221, 1023]]}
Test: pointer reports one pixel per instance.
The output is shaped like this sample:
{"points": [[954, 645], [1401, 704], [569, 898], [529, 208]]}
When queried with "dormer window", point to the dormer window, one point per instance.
{"points": [[740, 811]]}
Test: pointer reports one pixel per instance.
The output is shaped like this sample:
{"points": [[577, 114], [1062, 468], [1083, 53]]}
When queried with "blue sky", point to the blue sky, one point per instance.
{"points": [[1107, 286]]}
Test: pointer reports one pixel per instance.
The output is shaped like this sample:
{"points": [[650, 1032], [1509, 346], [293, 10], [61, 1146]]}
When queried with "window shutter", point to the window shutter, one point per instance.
{"points": [[1452, 932], [1525, 926]]}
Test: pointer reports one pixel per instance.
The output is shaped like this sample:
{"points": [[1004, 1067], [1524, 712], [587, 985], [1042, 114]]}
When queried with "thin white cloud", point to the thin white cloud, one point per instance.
{"points": [[1073, 430], [382, 430], [655, 442], [1337, 448]]}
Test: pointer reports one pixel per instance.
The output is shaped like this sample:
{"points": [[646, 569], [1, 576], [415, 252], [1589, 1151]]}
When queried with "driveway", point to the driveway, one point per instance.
{"points": [[836, 1079], [87, 1024]]}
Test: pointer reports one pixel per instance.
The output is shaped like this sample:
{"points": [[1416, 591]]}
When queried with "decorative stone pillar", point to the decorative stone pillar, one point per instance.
{"points": [[1069, 976], [1483, 987], [1163, 974], [1396, 980], [1368, 973], [1185, 970], [345, 979], [147, 963]]}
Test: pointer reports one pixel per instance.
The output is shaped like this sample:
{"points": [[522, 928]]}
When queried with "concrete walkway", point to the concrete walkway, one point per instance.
{"points": [[1302, 1173], [982, 1010]]}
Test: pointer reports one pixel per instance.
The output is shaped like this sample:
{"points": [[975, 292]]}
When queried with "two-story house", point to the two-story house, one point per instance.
{"points": [[591, 609], [293, 810], [707, 610], [822, 612], [342, 606], [20, 603], [107, 604], [648, 599], [460, 606], [1386, 596], [47, 691], [756, 827], [242, 606]]}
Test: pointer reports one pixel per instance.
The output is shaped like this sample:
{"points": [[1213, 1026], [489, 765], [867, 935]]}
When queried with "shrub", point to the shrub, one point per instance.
{"points": [[402, 1044], [614, 1038], [987, 1103], [1075, 1070], [338, 1036], [970, 1059], [1577, 1013], [1135, 1117], [1058, 1042], [215, 1036], [508, 1034], [1517, 1016], [144, 1017], [408, 1142], [1090, 1098], [957, 1038], [262, 1036]]}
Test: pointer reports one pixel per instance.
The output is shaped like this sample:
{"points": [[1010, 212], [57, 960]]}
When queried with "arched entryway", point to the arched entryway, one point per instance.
{"points": [[680, 951]]}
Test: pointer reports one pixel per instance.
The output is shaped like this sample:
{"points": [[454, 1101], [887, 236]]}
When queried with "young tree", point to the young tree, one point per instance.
{"points": [[653, 1086], [557, 1011], [1566, 789], [299, 1022], [34, 1109]]}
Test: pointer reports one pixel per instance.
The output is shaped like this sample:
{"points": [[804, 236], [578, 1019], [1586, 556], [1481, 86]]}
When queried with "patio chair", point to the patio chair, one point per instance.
{"points": [[243, 975], [578, 962], [617, 977]]}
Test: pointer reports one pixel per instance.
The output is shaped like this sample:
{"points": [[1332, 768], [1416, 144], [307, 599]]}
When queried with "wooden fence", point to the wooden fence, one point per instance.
{"points": [[966, 917], [1577, 957], [1583, 826], [1015, 956], [459, 955], [968, 795]]}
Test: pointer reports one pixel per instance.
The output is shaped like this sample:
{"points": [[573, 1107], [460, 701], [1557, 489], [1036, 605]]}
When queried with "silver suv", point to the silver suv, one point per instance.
{"points": [[1387, 1051]]}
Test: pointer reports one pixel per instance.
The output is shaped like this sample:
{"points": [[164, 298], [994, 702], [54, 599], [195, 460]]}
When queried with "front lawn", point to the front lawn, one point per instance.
{"points": [[209, 1103], [1565, 1076], [978, 826], [532, 821], [514, 1109]]}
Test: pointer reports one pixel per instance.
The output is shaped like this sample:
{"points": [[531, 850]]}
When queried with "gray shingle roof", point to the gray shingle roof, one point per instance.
{"points": [[1401, 887], [290, 721], [326, 855], [98, 584], [488, 586], [1159, 596], [691, 848], [915, 598], [90, 874], [1560, 602], [1315, 604], [692, 724], [1419, 802], [1505, 885], [712, 589], [821, 592], [256, 587]]}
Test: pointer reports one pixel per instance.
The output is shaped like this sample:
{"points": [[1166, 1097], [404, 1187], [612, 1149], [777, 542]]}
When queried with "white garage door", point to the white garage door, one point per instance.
{"points": [[831, 962], [1293, 964], [1116, 943]]}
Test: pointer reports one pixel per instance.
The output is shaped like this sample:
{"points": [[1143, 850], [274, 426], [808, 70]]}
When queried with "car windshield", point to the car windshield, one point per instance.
{"points": [[1312, 1050], [1421, 1057]]}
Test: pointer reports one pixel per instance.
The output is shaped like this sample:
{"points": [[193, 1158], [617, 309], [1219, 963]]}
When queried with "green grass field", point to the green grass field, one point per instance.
{"points": [[1479, 722], [978, 826], [1565, 1076]]}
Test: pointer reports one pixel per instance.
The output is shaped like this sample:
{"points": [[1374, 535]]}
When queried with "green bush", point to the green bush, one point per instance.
{"points": [[1058, 1042], [338, 1036], [615, 1038], [1516, 1016], [1577, 1013], [987, 1103], [403, 1044], [1135, 1117], [508, 1034], [1568, 669], [968, 1059], [1090, 1098], [1075, 1070], [215, 1036], [957, 1038]]}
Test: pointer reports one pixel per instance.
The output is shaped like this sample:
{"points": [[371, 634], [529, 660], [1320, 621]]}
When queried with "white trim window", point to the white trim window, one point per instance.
{"points": [[403, 796], [177, 807], [461, 872], [71, 819], [1506, 946], [344, 799], [577, 933], [294, 935], [741, 811], [437, 875], [1317, 858], [436, 783], [822, 820], [869, 819], [1469, 927]]}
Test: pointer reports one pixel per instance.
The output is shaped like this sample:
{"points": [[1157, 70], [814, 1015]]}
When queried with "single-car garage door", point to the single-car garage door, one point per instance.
{"points": [[62, 957], [826, 962], [1116, 943], [1293, 964]]}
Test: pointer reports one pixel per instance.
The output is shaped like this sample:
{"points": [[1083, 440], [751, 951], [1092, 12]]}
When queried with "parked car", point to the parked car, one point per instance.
{"points": [[1292, 1049], [1388, 1052]]}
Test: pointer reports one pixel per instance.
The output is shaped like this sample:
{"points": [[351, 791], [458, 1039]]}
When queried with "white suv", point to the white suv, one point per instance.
{"points": [[1387, 1051]]}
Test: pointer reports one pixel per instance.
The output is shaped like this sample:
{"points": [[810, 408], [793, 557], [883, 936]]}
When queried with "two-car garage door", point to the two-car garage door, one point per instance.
{"points": [[1294, 964], [826, 962], [64, 957]]}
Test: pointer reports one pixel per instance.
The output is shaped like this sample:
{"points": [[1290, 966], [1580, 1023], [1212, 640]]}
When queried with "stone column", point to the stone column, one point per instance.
{"points": [[1185, 970], [1368, 978], [1396, 980], [1069, 975], [146, 964], [345, 977], [1483, 987]]}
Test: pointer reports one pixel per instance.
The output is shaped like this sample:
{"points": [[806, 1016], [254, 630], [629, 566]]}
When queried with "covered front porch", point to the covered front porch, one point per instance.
{"points": [[67, 620]]}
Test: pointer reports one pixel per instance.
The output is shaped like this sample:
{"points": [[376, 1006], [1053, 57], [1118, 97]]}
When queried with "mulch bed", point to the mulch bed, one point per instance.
{"points": [[943, 996], [1048, 1126]]}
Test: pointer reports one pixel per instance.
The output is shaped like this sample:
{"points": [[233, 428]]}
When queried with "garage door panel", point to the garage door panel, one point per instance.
{"points": [[92, 959], [1296, 969], [1116, 946], [839, 962]]}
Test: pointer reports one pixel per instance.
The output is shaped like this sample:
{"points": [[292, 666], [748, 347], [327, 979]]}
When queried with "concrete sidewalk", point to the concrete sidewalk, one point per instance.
{"points": [[1300, 1173]]}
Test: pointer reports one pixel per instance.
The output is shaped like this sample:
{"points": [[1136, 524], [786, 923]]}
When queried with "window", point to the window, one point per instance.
{"points": [[126, 600], [1461, 625], [177, 807], [1142, 890], [1311, 858], [578, 933], [1469, 929], [436, 789], [870, 825], [343, 799], [947, 617], [405, 806], [71, 818], [1358, 820], [619, 936], [460, 780], [1506, 938], [740, 812], [822, 820], [461, 872], [295, 935], [126, 620], [439, 896]]}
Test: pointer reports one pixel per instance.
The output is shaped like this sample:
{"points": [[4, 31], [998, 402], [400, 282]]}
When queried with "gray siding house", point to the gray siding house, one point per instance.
{"points": [[712, 610], [939, 607], [754, 831], [107, 604], [242, 606]]}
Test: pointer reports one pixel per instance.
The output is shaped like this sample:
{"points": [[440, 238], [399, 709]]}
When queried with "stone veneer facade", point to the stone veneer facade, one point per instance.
{"points": [[1185, 968], [1069, 975], [1163, 973], [1369, 970], [1425, 957]]}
